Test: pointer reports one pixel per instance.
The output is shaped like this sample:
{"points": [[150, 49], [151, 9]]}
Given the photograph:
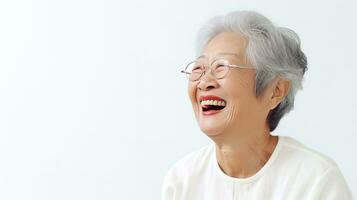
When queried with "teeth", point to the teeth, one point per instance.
{"points": [[213, 102]]}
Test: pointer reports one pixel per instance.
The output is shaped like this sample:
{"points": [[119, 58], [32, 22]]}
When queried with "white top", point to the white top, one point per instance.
{"points": [[293, 171]]}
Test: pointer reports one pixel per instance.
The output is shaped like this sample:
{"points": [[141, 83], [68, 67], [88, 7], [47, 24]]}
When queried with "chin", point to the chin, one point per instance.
{"points": [[211, 129], [211, 125]]}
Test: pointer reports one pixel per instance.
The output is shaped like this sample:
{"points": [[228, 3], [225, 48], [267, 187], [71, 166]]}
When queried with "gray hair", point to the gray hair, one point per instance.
{"points": [[274, 51]]}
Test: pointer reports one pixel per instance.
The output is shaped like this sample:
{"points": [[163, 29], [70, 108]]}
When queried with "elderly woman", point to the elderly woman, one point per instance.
{"points": [[242, 83]]}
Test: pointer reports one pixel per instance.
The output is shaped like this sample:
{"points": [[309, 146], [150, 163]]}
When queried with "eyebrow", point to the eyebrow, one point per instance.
{"points": [[218, 54]]}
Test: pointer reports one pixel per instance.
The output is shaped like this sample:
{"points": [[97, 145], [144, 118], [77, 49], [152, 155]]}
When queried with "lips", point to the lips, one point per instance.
{"points": [[211, 104], [210, 97]]}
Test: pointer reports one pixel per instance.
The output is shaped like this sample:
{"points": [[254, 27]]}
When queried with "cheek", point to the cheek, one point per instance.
{"points": [[191, 91], [239, 90], [233, 113], [241, 98], [234, 94]]}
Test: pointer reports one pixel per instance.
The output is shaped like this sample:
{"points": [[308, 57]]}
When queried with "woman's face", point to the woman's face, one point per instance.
{"points": [[243, 112]]}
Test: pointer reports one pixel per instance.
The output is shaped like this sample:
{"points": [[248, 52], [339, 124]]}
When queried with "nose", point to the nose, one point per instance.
{"points": [[207, 81]]}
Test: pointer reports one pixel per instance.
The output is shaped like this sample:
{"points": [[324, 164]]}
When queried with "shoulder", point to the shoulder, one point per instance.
{"points": [[316, 170], [298, 153], [192, 162], [188, 167]]}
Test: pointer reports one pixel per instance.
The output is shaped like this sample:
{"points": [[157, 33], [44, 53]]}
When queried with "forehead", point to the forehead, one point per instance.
{"points": [[225, 44], [219, 55]]}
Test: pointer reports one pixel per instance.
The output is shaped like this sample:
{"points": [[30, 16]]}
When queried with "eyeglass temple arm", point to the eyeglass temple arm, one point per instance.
{"points": [[243, 67], [183, 71]]}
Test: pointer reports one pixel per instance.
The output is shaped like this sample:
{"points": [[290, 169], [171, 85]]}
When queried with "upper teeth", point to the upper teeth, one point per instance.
{"points": [[213, 102]]}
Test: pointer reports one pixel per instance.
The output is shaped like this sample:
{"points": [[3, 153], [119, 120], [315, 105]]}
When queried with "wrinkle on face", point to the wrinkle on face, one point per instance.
{"points": [[232, 115], [240, 131], [237, 87]]}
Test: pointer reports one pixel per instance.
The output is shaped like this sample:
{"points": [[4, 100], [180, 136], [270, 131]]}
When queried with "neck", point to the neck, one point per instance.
{"points": [[243, 155]]}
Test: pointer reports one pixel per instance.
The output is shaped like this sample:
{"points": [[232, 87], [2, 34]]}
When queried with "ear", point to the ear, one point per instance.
{"points": [[280, 90]]}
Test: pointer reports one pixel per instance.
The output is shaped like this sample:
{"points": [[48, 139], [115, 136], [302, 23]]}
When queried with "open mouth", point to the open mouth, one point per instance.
{"points": [[208, 105]]}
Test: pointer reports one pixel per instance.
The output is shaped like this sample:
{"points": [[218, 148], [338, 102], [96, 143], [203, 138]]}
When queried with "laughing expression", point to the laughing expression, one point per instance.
{"points": [[223, 105]]}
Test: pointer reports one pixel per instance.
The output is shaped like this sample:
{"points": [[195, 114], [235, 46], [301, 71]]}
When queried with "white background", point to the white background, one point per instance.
{"points": [[92, 104]]}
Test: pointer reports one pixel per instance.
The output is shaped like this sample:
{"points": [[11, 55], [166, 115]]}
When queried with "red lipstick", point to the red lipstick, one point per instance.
{"points": [[210, 97]]}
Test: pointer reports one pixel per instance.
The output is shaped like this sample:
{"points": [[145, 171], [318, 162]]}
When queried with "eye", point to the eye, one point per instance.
{"points": [[197, 69], [220, 67]]}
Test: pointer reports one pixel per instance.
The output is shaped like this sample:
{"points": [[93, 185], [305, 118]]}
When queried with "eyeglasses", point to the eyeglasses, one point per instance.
{"points": [[219, 69]]}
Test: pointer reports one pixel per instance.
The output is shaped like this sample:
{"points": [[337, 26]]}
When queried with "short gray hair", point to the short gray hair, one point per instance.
{"points": [[274, 51]]}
